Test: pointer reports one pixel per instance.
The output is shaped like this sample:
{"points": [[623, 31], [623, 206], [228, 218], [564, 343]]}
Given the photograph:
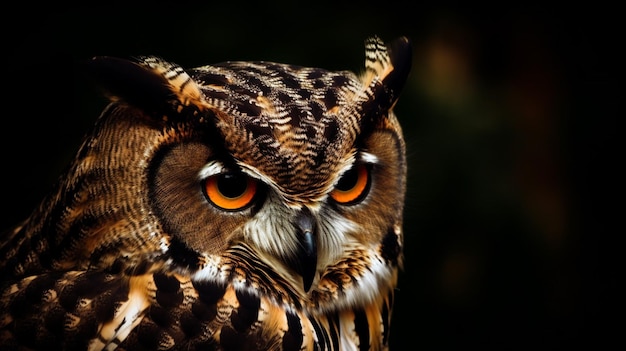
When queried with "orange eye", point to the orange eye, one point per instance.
{"points": [[230, 191], [353, 186]]}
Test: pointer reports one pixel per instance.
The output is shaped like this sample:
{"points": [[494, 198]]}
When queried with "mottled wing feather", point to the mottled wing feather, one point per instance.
{"points": [[96, 311]]}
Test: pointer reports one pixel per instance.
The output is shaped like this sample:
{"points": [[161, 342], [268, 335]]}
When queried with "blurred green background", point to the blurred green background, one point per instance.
{"points": [[510, 121]]}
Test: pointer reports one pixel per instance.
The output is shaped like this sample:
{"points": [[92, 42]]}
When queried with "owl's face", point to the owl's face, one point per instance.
{"points": [[303, 167], [300, 205], [283, 182]]}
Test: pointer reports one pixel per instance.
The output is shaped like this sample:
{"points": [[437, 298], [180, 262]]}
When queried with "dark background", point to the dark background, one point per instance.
{"points": [[510, 117]]}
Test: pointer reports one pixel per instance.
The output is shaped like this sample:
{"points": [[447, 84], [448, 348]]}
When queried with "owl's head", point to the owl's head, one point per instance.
{"points": [[277, 177]]}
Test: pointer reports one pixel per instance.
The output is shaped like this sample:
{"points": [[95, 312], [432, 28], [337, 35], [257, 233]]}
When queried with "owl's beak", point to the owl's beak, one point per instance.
{"points": [[306, 260]]}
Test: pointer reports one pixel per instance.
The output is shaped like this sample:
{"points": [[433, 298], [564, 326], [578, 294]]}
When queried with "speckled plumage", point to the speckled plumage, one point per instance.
{"points": [[236, 206]]}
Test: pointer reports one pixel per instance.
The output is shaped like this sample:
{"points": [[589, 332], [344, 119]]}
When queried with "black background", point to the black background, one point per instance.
{"points": [[510, 116]]}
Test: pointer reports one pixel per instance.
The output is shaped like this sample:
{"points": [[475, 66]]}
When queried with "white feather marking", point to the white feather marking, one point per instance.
{"points": [[334, 230], [271, 228], [210, 169], [211, 270], [127, 316], [349, 340], [368, 158], [164, 245], [378, 277]]}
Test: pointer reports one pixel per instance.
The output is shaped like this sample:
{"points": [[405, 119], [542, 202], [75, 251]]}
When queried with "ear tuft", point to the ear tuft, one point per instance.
{"points": [[150, 83], [386, 72], [388, 65], [401, 56]]}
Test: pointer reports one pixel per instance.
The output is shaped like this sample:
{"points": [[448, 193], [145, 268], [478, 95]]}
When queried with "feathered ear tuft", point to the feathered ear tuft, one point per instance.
{"points": [[387, 65], [386, 72], [150, 83], [400, 54]]}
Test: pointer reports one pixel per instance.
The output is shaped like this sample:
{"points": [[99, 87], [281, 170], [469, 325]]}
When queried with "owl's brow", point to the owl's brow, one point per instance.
{"points": [[367, 157], [255, 173], [362, 157], [213, 167]]}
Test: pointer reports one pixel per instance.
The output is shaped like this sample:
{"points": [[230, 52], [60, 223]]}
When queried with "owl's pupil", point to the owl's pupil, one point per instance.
{"points": [[348, 180], [232, 185]]}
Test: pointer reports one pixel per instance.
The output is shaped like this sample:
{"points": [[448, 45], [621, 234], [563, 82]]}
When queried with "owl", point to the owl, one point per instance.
{"points": [[235, 206]]}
